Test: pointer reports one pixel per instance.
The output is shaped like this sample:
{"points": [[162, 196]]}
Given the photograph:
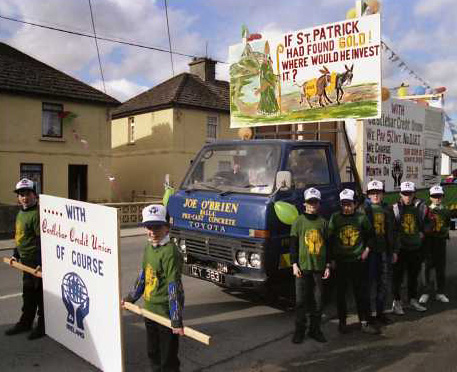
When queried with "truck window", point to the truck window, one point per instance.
{"points": [[308, 167], [235, 168]]}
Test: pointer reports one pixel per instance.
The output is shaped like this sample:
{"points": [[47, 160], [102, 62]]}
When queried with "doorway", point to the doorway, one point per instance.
{"points": [[77, 182]]}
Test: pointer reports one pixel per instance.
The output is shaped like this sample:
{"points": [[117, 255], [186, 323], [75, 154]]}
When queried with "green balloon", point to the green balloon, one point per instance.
{"points": [[168, 192], [286, 212]]}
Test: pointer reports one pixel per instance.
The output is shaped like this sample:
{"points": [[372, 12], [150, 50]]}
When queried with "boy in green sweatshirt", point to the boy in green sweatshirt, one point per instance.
{"points": [[28, 252], [351, 235], [435, 245], [382, 254], [160, 284], [410, 218], [309, 258]]}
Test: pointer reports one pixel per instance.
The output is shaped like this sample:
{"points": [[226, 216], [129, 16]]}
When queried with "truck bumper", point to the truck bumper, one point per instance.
{"points": [[238, 280]]}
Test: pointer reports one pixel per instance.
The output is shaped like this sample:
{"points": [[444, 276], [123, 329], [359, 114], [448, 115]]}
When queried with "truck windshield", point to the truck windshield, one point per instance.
{"points": [[235, 168]]}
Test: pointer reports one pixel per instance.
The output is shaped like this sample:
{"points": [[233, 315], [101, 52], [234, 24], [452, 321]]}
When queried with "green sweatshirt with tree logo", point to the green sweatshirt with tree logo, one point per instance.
{"points": [[311, 231], [27, 236], [349, 236]]}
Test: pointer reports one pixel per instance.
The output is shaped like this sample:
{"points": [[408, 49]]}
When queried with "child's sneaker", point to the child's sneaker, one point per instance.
{"points": [[424, 298], [369, 329], [441, 297], [397, 308], [416, 305]]}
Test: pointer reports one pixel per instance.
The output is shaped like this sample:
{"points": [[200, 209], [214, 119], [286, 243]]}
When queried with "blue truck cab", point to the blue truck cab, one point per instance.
{"points": [[223, 217]]}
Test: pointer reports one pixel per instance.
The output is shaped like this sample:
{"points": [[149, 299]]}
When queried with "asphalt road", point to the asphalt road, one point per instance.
{"points": [[248, 335]]}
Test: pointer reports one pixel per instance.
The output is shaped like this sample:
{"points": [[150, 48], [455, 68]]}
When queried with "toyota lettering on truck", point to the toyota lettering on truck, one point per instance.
{"points": [[223, 216]]}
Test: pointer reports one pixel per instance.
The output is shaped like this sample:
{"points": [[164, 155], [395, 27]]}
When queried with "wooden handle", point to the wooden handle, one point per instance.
{"points": [[19, 266], [189, 332]]}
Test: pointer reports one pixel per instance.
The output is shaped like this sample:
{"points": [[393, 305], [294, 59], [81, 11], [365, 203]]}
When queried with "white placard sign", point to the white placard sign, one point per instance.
{"points": [[80, 255], [404, 145]]}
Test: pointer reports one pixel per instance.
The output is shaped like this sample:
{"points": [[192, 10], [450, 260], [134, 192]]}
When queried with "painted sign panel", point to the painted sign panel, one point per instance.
{"points": [[328, 72], [403, 145], [80, 254], [209, 212]]}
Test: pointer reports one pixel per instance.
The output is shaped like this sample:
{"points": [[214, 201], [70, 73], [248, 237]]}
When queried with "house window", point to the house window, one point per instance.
{"points": [[51, 121], [33, 172], [211, 128], [131, 129]]}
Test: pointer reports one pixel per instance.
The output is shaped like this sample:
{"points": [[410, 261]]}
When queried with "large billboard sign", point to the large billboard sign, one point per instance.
{"points": [[328, 72], [80, 254], [403, 145]]}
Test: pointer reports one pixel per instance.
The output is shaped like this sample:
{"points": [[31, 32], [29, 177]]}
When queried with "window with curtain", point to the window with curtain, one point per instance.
{"points": [[51, 120]]}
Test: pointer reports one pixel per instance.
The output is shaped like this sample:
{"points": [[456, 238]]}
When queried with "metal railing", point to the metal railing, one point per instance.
{"points": [[130, 212]]}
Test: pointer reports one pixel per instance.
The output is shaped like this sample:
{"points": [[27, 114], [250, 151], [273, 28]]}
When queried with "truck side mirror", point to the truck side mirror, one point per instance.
{"points": [[283, 180]]}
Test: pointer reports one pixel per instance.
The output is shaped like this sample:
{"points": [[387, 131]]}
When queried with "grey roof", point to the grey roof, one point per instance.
{"points": [[450, 151], [22, 74], [185, 89]]}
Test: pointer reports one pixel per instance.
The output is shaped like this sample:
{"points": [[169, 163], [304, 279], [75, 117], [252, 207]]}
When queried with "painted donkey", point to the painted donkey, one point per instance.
{"points": [[344, 78], [316, 87]]}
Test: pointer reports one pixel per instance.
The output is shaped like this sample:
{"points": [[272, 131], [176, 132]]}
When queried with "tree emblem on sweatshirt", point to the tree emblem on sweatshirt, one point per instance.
{"points": [[349, 235], [378, 221], [151, 282], [20, 233], [314, 241], [409, 224], [437, 223]]}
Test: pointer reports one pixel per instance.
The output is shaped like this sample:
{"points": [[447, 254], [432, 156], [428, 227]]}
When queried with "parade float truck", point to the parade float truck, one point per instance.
{"points": [[232, 213]]}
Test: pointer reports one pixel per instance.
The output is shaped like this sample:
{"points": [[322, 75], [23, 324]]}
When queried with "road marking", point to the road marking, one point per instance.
{"points": [[10, 296]]}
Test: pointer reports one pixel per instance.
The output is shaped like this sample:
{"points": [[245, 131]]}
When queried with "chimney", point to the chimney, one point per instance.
{"points": [[204, 68]]}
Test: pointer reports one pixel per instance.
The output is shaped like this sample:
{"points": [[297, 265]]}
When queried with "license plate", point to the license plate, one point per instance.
{"points": [[207, 274]]}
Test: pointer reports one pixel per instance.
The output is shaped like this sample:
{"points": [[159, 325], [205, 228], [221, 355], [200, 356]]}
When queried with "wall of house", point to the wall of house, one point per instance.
{"points": [[445, 164], [140, 166], [21, 141], [167, 141]]}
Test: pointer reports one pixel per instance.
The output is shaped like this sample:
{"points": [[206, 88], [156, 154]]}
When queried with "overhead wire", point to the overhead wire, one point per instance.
{"points": [[112, 40], [96, 44], [169, 39]]}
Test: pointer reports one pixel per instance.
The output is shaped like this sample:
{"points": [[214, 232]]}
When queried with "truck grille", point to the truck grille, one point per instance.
{"points": [[212, 246]]}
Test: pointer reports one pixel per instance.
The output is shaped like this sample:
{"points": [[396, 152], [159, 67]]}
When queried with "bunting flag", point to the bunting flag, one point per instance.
{"points": [[395, 58]]}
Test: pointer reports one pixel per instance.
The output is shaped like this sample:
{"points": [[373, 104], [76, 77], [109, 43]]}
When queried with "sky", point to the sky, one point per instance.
{"points": [[421, 32]]}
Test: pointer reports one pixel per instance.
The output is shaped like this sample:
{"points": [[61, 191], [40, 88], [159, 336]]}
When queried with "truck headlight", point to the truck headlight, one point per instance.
{"points": [[241, 258], [182, 245], [254, 260]]}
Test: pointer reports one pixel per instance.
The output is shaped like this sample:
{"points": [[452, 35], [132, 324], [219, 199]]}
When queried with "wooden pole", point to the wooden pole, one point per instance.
{"points": [[19, 266], [279, 50], [189, 332]]}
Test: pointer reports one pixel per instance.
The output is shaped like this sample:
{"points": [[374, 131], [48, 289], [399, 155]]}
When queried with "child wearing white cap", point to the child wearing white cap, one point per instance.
{"points": [[410, 218], [28, 252], [351, 236], [382, 253], [310, 264], [160, 284], [435, 245]]}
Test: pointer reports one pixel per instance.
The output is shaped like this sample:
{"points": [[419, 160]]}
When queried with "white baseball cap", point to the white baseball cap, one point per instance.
{"points": [[407, 186], [153, 215], [25, 184], [312, 193], [375, 185], [347, 194], [436, 190]]}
